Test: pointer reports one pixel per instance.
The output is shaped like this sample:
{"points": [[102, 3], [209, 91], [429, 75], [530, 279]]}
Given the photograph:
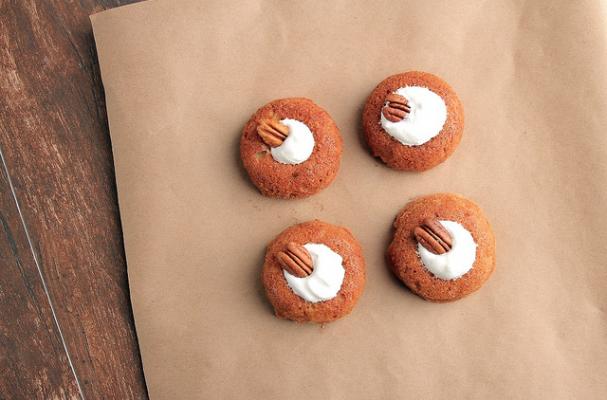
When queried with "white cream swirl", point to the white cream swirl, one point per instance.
{"points": [[426, 119], [456, 262], [297, 147], [326, 278]]}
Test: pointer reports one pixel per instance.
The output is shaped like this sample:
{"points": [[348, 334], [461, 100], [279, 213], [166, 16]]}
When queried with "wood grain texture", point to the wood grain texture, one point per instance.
{"points": [[54, 136], [33, 362]]}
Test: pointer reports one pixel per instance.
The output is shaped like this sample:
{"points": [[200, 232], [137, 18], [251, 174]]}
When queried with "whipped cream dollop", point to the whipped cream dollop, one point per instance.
{"points": [[456, 262], [298, 146], [426, 119], [326, 278]]}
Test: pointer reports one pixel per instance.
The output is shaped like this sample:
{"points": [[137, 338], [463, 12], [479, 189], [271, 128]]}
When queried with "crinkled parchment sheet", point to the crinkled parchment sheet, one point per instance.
{"points": [[181, 79]]}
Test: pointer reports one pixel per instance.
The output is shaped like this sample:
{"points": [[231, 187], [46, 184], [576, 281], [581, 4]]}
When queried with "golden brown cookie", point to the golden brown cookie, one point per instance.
{"points": [[320, 296], [404, 253], [411, 157], [265, 132]]}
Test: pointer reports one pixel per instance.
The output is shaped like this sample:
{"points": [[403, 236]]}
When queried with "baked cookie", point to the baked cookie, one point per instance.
{"points": [[443, 247], [291, 148], [413, 121], [313, 272]]}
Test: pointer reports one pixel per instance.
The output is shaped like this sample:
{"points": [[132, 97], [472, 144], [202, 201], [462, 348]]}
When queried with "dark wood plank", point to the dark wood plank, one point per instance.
{"points": [[57, 150], [33, 361]]}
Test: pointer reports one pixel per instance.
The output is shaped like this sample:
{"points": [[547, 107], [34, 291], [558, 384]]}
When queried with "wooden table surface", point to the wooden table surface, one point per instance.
{"points": [[66, 328]]}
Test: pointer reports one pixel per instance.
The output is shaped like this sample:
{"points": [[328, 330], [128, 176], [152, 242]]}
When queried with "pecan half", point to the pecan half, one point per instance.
{"points": [[397, 107], [296, 260], [433, 236], [272, 132]]}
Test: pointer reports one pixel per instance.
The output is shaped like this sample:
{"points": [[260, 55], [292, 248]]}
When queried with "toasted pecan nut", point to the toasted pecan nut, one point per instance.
{"points": [[272, 131], [433, 236], [296, 260], [397, 108]]}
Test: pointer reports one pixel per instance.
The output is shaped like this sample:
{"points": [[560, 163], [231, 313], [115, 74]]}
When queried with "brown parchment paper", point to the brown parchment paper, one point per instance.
{"points": [[182, 78]]}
